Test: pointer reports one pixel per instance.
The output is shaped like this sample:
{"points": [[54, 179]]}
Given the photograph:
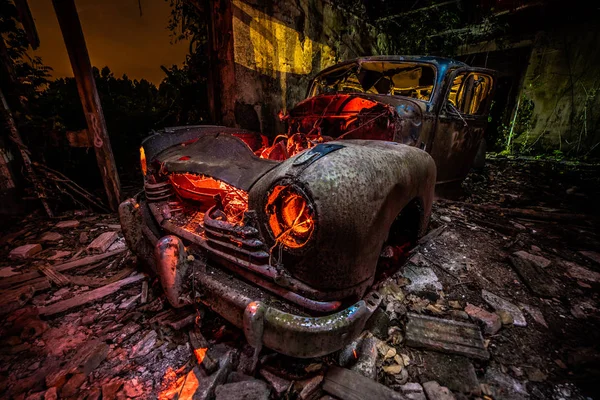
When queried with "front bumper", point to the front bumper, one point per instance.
{"points": [[266, 319]]}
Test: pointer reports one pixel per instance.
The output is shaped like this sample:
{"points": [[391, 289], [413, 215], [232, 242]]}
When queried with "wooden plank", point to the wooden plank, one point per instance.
{"points": [[349, 385], [72, 33], [103, 242], [56, 277], [11, 300], [19, 279], [534, 277], [90, 296], [92, 281]]}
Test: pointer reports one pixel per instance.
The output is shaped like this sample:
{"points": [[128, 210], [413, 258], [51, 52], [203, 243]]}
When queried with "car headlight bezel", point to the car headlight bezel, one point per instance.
{"points": [[291, 215]]}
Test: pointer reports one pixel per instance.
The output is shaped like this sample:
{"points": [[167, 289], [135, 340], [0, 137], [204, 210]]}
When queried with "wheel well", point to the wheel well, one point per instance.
{"points": [[407, 225]]}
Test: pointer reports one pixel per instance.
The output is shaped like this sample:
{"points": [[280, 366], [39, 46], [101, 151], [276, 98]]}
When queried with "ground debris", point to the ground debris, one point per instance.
{"points": [[435, 391], [446, 336], [25, 251], [500, 304], [536, 279]]}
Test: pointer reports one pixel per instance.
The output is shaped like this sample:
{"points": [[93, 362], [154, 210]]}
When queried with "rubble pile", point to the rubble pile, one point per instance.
{"points": [[489, 305]]}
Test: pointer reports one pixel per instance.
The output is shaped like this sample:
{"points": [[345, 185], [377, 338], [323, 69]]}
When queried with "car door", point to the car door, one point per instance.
{"points": [[461, 122]]}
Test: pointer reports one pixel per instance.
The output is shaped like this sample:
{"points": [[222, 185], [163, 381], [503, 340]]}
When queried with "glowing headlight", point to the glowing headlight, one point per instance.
{"points": [[291, 217]]}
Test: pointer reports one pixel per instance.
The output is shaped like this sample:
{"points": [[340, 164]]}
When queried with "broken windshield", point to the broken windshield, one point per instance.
{"points": [[407, 79]]}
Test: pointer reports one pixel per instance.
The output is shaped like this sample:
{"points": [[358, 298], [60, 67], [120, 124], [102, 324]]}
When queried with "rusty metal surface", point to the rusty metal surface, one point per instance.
{"points": [[357, 193], [292, 334], [450, 138], [221, 156]]}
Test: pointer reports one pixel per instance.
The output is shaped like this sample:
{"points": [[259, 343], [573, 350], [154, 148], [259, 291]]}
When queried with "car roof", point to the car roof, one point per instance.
{"points": [[441, 63]]}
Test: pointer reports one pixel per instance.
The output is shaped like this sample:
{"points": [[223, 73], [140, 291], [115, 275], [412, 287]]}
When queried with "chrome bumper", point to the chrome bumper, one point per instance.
{"points": [[244, 305]]}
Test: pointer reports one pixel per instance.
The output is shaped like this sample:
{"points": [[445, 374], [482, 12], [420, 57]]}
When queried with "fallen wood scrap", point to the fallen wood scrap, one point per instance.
{"points": [[432, 234], [55, 277], [14, 299], [103, 242], [19, 279], [350, 385], [90, 296], [95, 282], [540, 215], [534, 277], [200, 346]]}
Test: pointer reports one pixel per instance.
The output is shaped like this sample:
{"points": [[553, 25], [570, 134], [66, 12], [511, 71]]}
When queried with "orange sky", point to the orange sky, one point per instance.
{"points": [[116, 36]]}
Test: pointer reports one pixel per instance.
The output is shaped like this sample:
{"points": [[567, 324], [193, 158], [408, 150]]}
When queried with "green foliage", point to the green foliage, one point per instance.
{"points": [[425, 29], [32, 75], [521, 128]]}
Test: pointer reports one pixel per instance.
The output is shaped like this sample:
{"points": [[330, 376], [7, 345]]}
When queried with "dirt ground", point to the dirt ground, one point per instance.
{"points": [[101, 329]]}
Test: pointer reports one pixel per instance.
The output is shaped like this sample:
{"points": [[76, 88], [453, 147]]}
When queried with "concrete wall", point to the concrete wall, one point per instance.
{"points": [[562, 80], [278, 46]]}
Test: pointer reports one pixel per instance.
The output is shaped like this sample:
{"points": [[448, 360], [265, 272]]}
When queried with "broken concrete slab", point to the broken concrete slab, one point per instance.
{"points": [[537, 260], [453, 371], [581, 273], [25, 251], [50, 237], [102, 242], [500, 304], [422, 279], [412, 391], [67, 224], [249, 390], [446, 336], [437, 392], [536, 279], [491, 321]]}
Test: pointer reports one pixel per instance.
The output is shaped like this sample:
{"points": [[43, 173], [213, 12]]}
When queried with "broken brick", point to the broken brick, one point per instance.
{"points": [[491, 321]]}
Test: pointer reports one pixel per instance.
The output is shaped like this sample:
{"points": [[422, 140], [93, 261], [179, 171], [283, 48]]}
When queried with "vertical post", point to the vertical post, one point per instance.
{"points": [[222, 80], [70, 27]]}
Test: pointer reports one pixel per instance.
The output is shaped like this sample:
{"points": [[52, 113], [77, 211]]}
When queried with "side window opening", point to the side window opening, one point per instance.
{"points": [[470, 92]]}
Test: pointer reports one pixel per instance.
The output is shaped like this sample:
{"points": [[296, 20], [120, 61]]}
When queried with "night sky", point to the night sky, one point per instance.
{"points": [[116, 36]]}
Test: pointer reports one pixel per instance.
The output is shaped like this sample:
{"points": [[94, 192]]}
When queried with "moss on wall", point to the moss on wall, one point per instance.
{"points": [[562, 81]]}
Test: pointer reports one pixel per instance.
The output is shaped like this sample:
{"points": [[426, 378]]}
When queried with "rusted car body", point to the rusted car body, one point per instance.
{"points": [[436, 104], [284, 238]]}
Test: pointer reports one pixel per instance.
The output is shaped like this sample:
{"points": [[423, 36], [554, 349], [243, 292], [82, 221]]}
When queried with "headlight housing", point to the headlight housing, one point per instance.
{"points": [[290, 215]]}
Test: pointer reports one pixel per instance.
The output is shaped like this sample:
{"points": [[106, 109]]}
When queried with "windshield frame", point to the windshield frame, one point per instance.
{"points": [[358, 63]]}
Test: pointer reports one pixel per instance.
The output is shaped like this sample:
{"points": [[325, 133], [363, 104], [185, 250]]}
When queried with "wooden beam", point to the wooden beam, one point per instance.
{"points": [[28, 23], [18, 280], [418, 10], [90, 296], [70, 26]]}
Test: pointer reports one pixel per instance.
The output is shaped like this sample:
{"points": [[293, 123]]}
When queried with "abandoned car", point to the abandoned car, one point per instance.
{"points": [[284, 239], [436, 104]]}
